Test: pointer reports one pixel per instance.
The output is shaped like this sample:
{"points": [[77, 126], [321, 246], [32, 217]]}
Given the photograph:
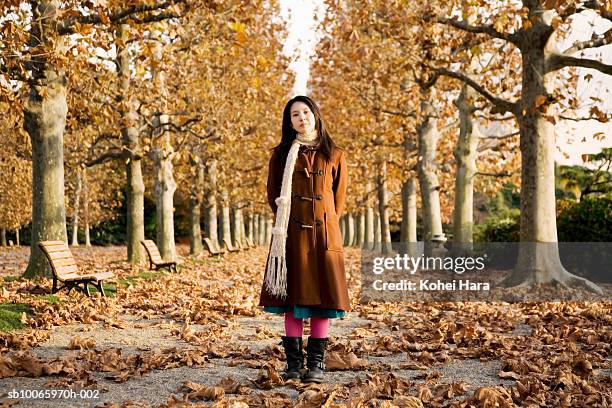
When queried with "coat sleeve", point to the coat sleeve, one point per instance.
{"points": [[274, 182], [339, 184]]}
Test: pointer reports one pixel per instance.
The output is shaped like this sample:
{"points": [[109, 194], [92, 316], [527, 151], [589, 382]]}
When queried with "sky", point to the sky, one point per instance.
{"points": [[302, 39]]}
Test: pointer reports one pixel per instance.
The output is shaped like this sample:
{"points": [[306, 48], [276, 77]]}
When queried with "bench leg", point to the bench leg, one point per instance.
{"points": [[100, 288]]}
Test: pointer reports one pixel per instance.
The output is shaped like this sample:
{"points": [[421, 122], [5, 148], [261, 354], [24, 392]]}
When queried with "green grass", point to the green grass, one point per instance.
{"points": [[11, 278], [131, 280], [109, 289], [52, 299], [10, 315]]}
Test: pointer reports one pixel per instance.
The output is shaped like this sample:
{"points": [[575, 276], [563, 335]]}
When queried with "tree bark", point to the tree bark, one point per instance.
{"points": [[408, 231], [430, 200], [195, 204], [235, 224], [385, 232], [86, 199], [268, 227], [17, 240], [3, 237], [77, 205], [44, 120], [360, 230], [369, 228], [256, 229], [262, 230], [131, 144], [249, 225], [210, 225], [351, 229], [377, 247], [165, 186], [226, 233], [465, 156]]}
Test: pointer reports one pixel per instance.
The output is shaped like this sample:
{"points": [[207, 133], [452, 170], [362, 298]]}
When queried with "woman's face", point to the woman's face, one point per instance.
{"points": [[302, 118]]}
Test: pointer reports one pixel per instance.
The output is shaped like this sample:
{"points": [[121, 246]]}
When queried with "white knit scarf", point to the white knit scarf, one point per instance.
{"points": [[276, 273]]}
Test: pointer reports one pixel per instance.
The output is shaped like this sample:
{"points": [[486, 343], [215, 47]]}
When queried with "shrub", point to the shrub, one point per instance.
{"points": [[503, 227], [590, 220]]}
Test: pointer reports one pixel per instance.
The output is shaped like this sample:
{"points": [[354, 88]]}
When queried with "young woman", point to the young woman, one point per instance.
{"points": [[304, 275]]}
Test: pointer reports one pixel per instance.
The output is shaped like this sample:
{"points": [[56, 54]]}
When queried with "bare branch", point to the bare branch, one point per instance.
{"points": [[67, 26], [508, 136], [477, 29], [558, 61], [492, 119], [600, 41], [501, 174], [410, 114], [105, 157], [501, 104], [577, 119], [154, 17]]}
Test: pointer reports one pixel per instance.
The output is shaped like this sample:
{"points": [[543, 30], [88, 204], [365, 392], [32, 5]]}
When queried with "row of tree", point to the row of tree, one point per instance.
{"points": [[418, 88], [151, 97], [110, 92]]}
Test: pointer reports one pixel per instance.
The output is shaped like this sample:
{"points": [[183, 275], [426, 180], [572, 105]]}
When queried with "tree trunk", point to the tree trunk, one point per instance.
{"points": [[538, 260], [131, 143], [165, 186], [262, 230], [408, 231], [17, 240], [195, 205], [226, 232], [360, 230], [236, 214], [256, 229], [269, 226], [249, 225], [210, 224], [44, 120], [77, 205], [369, 228], [350, 224], [377, 232], [465, 155], [3, 237], [86, 208], [385, 232], [428, 139]]}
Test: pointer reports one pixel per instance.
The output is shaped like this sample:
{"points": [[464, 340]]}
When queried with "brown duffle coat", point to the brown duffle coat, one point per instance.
{"points": [[315, 257]]}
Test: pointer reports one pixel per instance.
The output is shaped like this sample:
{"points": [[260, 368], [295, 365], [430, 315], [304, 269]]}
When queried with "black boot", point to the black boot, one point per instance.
{"points": [[295, 357], [315, 360]]}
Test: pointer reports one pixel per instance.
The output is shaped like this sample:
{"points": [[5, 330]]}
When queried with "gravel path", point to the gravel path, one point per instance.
{"points": [[255, 343]]}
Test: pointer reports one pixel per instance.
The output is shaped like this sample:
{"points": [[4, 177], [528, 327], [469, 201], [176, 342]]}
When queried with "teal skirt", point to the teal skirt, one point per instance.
{"points": [[304, 312]]}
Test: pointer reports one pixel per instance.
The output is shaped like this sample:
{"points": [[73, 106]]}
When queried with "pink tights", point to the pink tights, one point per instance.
{"points": [[319, 326]]}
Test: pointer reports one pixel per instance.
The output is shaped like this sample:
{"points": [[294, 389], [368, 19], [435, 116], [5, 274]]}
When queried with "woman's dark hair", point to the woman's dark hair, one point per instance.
{"points": [[326, 143]]}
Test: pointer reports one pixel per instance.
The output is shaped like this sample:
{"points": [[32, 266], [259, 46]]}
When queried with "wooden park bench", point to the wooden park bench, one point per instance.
{"points": [[66, 271], [229, 246], [249, 242], [155, 259], [213, 248]]}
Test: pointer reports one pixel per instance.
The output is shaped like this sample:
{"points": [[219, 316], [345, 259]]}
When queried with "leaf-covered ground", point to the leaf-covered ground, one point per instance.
{"points": [[198, 338]]}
